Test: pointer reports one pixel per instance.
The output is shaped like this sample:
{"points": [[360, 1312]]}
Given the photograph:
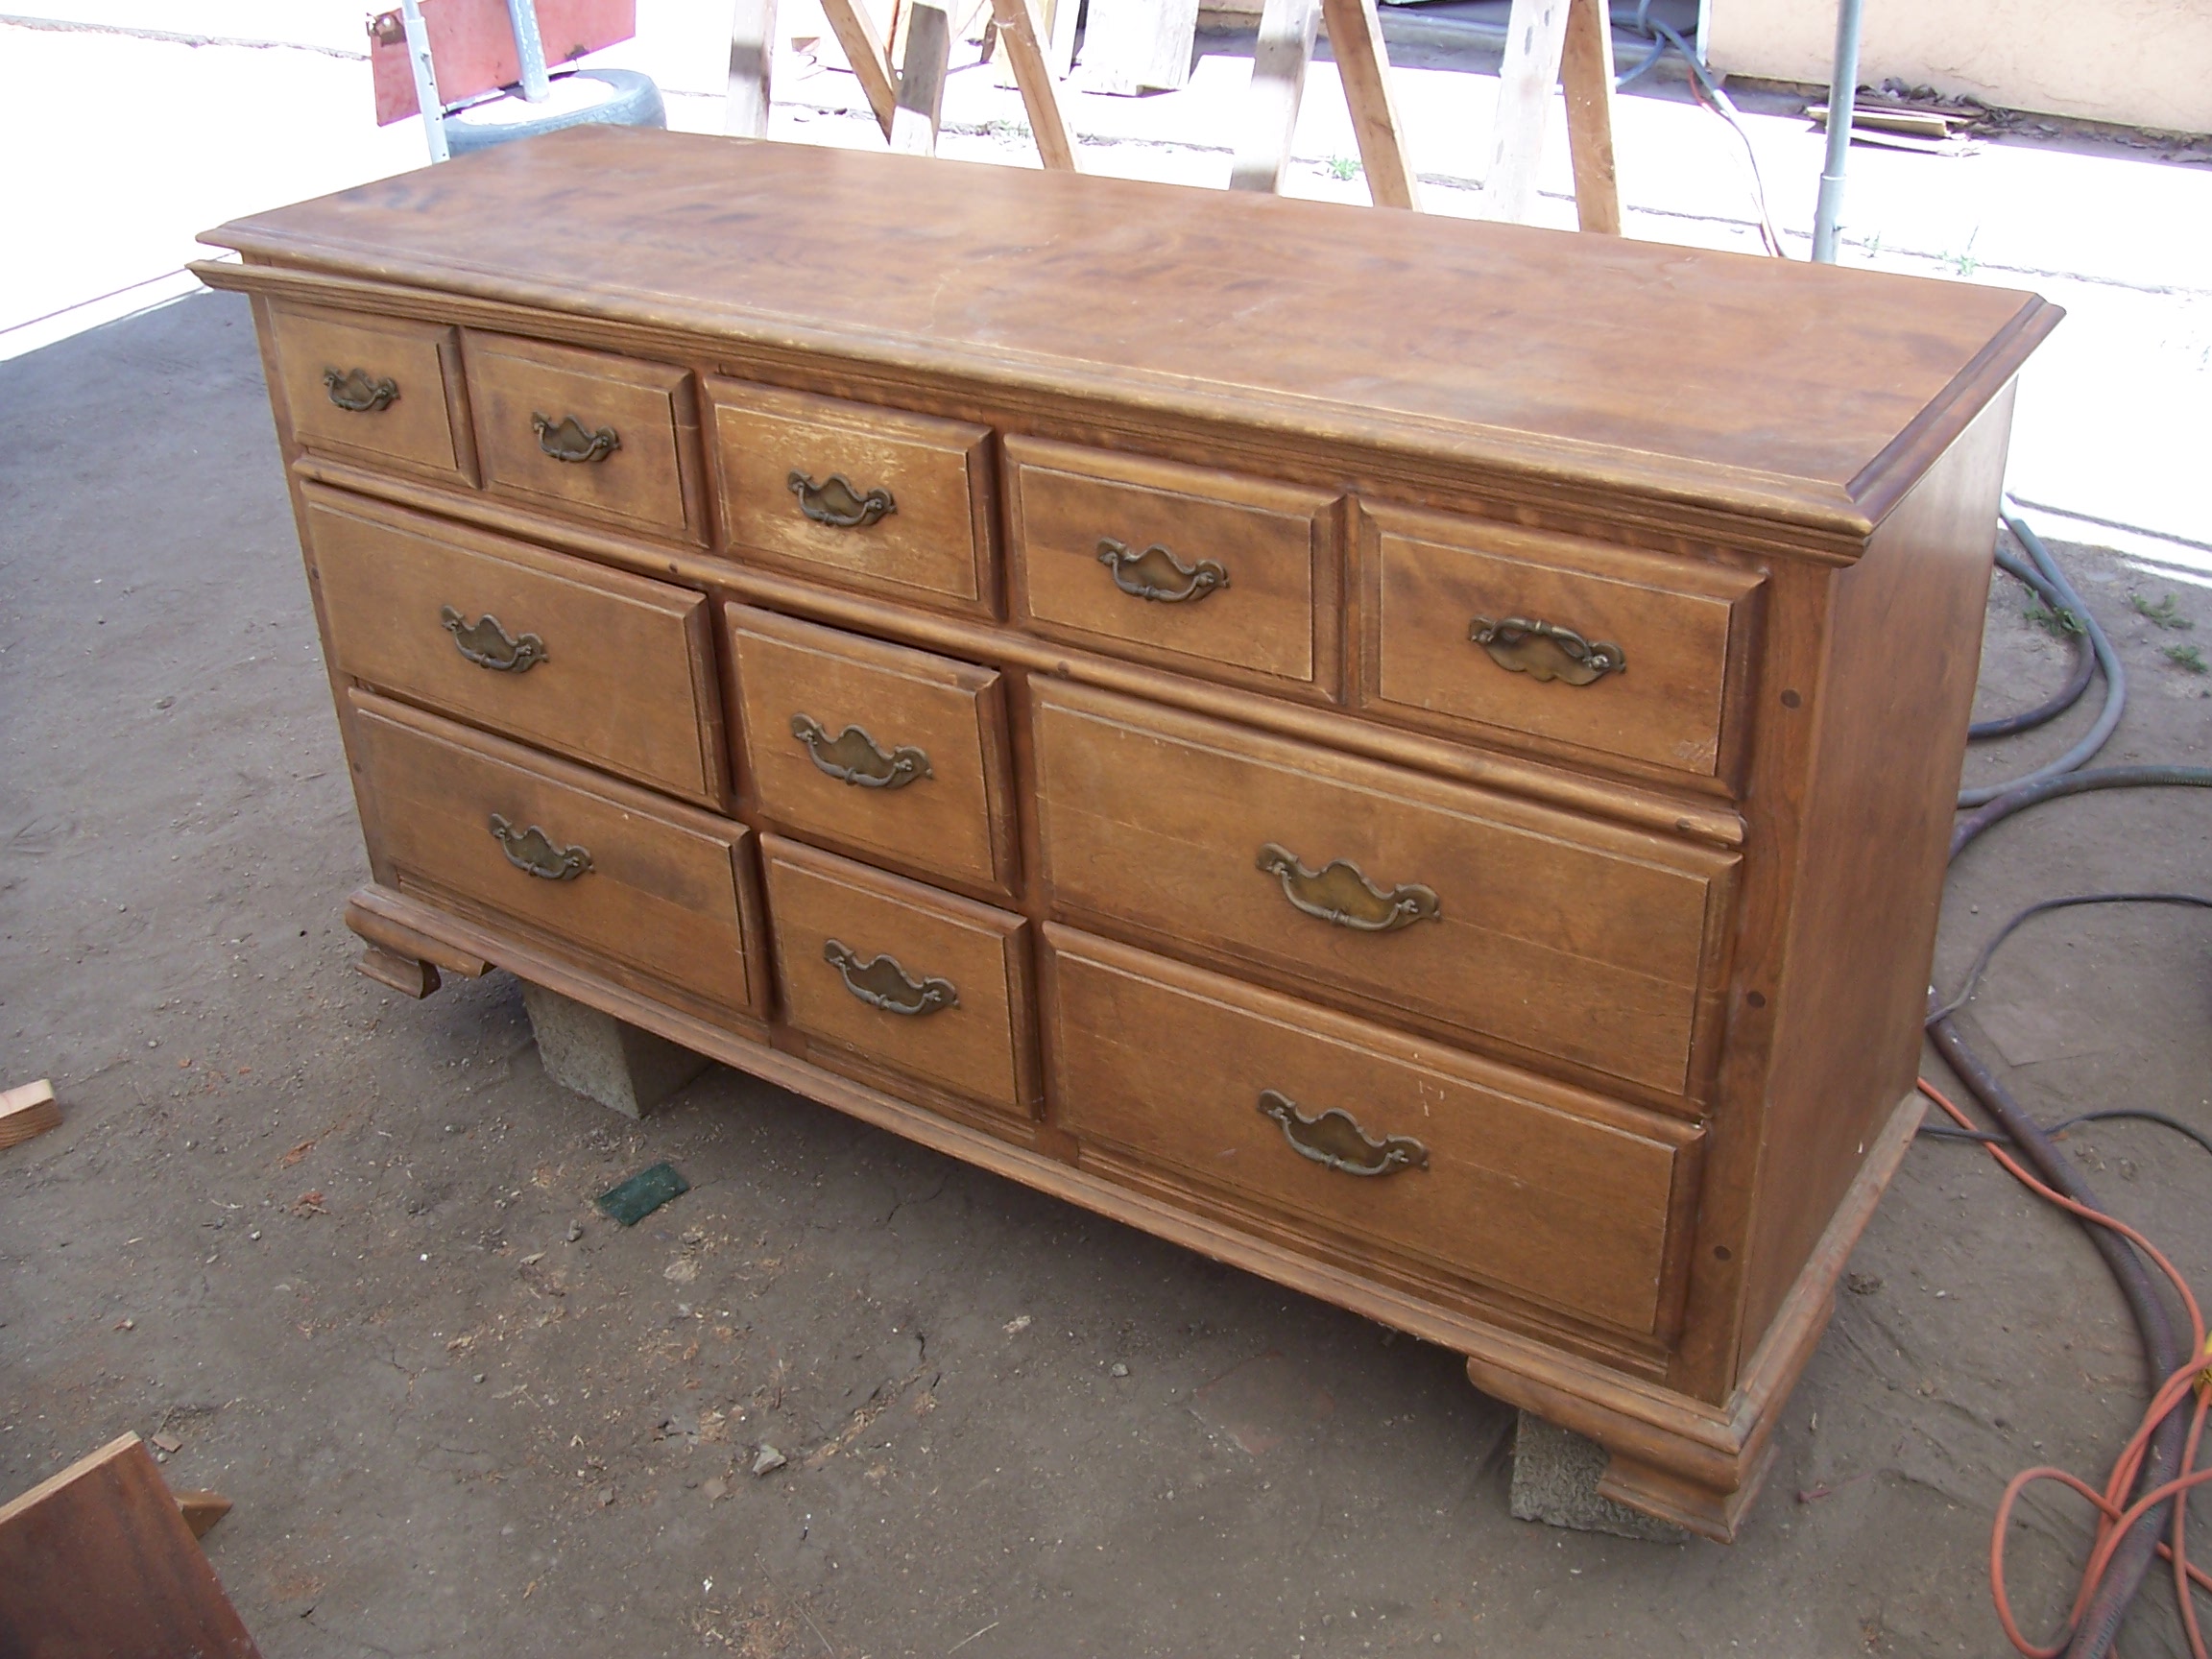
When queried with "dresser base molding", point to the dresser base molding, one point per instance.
{"points": [[1699, 1467], [1696, 1465]]}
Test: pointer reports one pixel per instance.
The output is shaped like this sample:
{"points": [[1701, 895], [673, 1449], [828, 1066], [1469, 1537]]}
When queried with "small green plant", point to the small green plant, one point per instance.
{"points": [[2163, 612], [1344, 168], [2059, 625], [2187, 657], [1964, 258]]}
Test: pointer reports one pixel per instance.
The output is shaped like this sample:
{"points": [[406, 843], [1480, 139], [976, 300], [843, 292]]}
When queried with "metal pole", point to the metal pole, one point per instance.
{"points": [[529, 49], [1842, 96], [426, 79]]}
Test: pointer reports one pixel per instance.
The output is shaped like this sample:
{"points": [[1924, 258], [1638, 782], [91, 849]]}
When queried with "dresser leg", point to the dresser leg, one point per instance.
{"points": [[603, 1058], [405, 975], [1555, 1476]]}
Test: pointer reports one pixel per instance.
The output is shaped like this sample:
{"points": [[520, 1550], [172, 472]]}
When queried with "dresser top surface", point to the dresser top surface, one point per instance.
{"points": [[1775, 389]]}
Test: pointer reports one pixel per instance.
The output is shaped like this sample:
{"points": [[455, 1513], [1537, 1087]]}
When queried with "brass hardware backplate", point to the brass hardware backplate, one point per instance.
{"points": [[568, 439], [1340, 894], [487, 645], [834, 502], [535, 852], [881, 983], [1157, 575], [357, 393], [1546, 651], [853, 757], [1336, 1140]]}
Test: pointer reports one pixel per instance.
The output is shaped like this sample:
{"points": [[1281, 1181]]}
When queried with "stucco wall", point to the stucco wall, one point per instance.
{"points": [[2143, 62]]}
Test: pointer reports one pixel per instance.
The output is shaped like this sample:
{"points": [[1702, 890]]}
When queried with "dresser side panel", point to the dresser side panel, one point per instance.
{"points": [[1895, 697]]}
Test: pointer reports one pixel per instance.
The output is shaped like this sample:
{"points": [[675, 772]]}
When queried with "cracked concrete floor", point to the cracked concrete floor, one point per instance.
{"points": [[319, 1234]]}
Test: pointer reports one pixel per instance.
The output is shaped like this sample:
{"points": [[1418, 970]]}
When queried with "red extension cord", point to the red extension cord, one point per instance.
{"points": [[2115, 1514]]}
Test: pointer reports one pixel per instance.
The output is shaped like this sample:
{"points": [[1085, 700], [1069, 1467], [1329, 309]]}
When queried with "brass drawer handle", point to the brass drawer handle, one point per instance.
{"points": [[1336, 1140], [853, 757], [353, 392], [534, 852], [1341, 895], [881, 983], [1158, 574], [568, 439], [1546, 651], [487, 645], [837, 504]]}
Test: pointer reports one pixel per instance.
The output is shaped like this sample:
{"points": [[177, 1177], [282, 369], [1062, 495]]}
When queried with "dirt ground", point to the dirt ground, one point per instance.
{"points": [[341, 1246]]}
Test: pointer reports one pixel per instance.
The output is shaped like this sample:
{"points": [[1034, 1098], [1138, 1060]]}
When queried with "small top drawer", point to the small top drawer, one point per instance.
{"points": [[606, 438], [879, 749], [597, 663], [1629, 653], [373, 387], [1184, 566], [862, 497]]}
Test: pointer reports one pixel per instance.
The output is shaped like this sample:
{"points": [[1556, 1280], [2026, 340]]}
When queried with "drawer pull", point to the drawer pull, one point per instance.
{"points": [[533, 851], [853, 757], [881, 983], [1341, 895], [837, 504], [1158, 574], [1333, 1139], [1546, 651], [487, 645], [568, 439], [351, 390]]}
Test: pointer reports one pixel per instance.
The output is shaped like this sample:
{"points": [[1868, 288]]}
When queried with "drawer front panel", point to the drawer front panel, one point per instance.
{"points": [[607, 438], [596, 664], [858, 495], [375, 389], [1624, 653], [1475, 1170], [881, 748], [1181, 565], [1556, 934], [915, 980], [661, 888]]}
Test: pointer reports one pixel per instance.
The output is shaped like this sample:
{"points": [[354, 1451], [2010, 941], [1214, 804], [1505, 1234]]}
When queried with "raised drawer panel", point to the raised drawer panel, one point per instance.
{"points": [[613, 439], [374, 389], [908, 977], [886, 750], [596, 664], [1556, 934], [613, 872], [865, 497], [1471, 1168], [1475, 625], [1186, 567]]}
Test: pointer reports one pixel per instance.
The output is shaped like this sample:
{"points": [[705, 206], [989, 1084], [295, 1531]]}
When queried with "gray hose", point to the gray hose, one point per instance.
{"points": [[2107, 659]]}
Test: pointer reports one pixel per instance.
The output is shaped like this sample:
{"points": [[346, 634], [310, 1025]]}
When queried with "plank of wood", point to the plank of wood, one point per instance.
{"points": [[1133, 46], [26, 1112], [99, 1560], [1535, 34], [1279, 60], [1586, 74], [1016, 23], [752, 66], [922, 80], [1363, 66], [865, 52]]}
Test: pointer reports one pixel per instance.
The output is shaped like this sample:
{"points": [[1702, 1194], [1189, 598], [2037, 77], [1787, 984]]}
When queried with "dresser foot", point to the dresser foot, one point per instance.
{"points": [[405, 975], [606, 1059], [1556, 1478]]}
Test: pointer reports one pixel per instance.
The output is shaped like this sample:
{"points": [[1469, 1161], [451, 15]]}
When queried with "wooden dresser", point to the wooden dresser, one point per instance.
{"points": [[1412, 756]]}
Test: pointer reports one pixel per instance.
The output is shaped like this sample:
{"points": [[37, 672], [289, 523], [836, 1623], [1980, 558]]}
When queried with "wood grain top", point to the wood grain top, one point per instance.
{"points": [[1808, 393]]}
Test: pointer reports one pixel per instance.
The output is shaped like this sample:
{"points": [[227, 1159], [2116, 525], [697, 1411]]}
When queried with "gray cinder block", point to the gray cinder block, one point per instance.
{"points": [[604, 1059], [1555, 1474]]}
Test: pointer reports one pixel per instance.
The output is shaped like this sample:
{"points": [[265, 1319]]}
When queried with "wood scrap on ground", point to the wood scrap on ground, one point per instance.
{"points": [[26, 1112]]}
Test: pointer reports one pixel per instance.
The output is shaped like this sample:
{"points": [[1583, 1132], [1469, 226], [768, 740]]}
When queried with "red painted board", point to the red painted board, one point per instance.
{"points": [[472, 46]]}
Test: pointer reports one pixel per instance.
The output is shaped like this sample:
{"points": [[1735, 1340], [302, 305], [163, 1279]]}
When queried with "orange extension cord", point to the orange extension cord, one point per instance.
{"points": [[2115, 1515]]}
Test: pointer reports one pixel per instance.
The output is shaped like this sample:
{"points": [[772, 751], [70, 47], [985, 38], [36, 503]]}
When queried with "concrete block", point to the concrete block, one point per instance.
{"points": [[1556, 1475], [603, 1058]]}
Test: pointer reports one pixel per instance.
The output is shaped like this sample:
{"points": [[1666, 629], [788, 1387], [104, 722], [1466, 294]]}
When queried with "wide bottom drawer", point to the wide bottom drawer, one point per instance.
{"points": [[1437, 1157], [662, 889]]}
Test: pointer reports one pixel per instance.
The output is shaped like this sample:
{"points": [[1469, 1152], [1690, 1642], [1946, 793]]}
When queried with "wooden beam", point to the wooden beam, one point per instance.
{"points": [[1279, 60], [752, 69], [1133, 46], [28, 1111], [922, 79], [1363, 66], [1017, 21], [1534, 34], [1059, 38], [856, 32], [1586, 74]]}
